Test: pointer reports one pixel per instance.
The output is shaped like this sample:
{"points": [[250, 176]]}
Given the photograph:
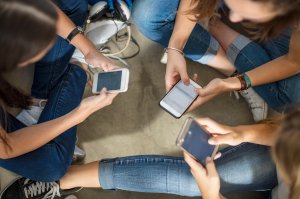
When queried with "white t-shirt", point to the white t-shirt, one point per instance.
{"points": [[281, 191]]}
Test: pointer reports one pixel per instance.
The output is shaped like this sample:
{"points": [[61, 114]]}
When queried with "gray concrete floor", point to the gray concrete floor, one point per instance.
{"points": [[134, 124]]}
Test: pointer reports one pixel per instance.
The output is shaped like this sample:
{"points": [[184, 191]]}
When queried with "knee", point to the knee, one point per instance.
{"points": [[76, 10], [143, 15], [149, 16], [51, 173]]}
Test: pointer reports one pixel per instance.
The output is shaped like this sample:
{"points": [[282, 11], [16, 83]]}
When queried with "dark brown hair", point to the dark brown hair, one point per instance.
{"points": [[27, 28], [286, 151], [288, 15]]}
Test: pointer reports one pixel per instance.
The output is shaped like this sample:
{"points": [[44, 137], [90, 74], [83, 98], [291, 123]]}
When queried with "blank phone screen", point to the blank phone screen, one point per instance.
{"points": [[109, 80], [196, 143], [180, 97]]}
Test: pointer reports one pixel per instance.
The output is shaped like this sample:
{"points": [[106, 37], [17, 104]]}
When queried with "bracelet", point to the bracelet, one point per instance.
{"points": [[245, 81], [73, 33], [248, 80], [171, 48]]}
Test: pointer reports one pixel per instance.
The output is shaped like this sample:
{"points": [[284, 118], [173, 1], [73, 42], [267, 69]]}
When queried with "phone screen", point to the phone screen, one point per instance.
{"points": [[180, 97], [196, 142], [109, 80]]}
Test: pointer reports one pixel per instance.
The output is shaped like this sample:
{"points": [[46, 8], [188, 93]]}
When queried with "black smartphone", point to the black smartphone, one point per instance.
{"points": [[193, 139]]}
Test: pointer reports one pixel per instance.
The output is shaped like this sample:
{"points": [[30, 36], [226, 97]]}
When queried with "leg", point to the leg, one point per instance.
{"points": [[155, 19], [246, 167], [52, 67], [51, 161], [247, 55]]}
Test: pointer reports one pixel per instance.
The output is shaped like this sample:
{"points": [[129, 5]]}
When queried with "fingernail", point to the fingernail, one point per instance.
{"points": [[211, 141], [208, 159]]}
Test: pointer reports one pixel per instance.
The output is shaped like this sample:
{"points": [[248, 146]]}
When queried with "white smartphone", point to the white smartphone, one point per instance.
{"points": [[179, 98], [115, 81], [193, 139]]}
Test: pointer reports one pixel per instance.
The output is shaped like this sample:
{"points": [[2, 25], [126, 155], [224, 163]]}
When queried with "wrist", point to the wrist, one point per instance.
{"points": [[232, 84], [177, 43], [83, 111], [83, 44]]}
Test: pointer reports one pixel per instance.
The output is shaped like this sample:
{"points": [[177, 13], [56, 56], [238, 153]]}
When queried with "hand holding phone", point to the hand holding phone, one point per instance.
{"points": [[115, 81], [193, 139], [179, 98]]}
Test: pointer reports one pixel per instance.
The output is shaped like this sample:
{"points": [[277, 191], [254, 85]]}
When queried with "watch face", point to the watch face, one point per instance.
{"points": [[80, 29]]}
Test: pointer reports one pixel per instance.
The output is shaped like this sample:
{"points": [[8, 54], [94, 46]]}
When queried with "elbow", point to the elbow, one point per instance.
{"points": [[5, 155]]}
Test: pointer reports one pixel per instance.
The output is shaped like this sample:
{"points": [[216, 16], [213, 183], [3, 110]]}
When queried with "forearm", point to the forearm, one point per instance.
{"points": [[30, 138], [184, 25], [65, 27], [263, 134], [275, 70]]}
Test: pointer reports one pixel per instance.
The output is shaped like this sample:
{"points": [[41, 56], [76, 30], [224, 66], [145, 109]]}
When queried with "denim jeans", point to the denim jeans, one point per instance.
{"points": [[63, 85], [246, 167], [155, 19]]}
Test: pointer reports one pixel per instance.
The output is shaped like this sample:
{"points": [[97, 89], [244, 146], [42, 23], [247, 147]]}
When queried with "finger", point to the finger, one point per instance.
{"points": [[90, 83], [198, 102], [105, 67], [222, 139], [218, 155], [113, 67], [184, 76], [112, 95], [193, 163], [205, 91], [210, 167], [103, 91], [212, 126], [195, 77], [171, 81]]}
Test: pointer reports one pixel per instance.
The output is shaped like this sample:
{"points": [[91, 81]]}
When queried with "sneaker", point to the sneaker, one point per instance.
{"points": [[24, 188], [79, 155], [258, 106]]}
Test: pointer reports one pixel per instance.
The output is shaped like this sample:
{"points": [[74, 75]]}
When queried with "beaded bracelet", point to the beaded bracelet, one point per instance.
{"points": [[245, 81]]}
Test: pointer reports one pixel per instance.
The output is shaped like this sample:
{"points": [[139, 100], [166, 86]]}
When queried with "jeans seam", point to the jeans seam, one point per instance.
{"points": [[61, 91]]}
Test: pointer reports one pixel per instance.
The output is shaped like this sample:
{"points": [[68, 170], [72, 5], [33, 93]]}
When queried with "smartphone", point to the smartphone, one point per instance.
{"points": [[193, 139], [179, 98], [115, 81]]}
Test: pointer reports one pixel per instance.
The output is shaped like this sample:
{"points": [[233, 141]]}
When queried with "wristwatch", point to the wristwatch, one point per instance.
{"points": [[76, 31]]}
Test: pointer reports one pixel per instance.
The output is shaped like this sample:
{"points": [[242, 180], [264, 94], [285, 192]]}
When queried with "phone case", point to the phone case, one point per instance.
{"points": [[168, 110], [182, 134]]}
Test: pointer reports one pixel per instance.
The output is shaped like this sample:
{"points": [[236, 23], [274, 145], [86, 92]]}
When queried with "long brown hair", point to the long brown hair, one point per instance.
{"points": [[286, 152], [288, 15], [27, 27]]}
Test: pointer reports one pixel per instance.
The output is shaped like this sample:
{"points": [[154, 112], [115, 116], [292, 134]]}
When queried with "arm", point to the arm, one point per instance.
{"points": [[264, 134], [280, 68], [275, 70], [206, 176], [30, 138], [176, 66], [184, 26], [91, 54], [65, 26]]}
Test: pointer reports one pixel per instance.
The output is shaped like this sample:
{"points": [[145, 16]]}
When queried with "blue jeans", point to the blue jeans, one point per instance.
{"points": [[246, 167], [49, 71], [63, 85], [155, 19]]}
